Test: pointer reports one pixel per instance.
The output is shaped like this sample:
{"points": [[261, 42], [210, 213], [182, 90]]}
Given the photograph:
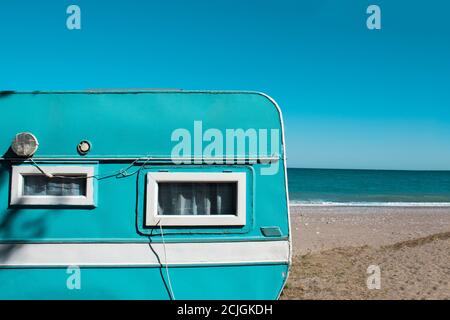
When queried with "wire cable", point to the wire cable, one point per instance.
{"points": [[122, 173], [165, 261]]}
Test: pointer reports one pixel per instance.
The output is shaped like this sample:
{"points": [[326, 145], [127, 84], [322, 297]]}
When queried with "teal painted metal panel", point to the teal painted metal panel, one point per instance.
{"points": [[126, 124], [123, 127], [255, 282]]}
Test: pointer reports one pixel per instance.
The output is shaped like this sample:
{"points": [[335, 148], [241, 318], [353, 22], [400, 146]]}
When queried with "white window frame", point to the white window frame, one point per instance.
{"points": [[17, 181], [153, 219]]}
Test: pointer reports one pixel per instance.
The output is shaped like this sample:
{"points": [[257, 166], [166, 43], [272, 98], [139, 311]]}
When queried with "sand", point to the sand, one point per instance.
{"points": [[334, 246]]}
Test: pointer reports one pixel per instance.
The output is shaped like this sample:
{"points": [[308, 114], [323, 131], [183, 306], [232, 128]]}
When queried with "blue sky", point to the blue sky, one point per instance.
{"points": [[351, 97]]}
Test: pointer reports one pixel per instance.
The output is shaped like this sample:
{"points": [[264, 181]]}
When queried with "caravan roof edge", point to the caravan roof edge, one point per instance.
{"points": [[131, 91]]}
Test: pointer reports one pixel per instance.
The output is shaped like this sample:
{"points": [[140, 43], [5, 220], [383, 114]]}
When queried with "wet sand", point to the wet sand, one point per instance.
{"points": [[334, 246]]}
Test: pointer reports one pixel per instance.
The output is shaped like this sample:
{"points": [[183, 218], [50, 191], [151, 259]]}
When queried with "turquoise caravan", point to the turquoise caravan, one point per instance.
{"points": [[142, 194]]}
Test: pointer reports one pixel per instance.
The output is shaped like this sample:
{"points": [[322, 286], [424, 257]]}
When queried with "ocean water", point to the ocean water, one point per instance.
{"points": [[330, 187]]}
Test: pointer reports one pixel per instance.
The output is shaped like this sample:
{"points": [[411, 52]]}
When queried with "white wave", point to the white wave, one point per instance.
{"points": [[367, 204]]}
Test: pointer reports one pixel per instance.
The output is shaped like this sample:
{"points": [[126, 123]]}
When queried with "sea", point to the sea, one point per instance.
{"points": [[339, 187]]}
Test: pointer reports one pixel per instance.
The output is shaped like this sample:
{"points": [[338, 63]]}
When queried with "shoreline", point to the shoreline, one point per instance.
{"points": [[372, 205]]}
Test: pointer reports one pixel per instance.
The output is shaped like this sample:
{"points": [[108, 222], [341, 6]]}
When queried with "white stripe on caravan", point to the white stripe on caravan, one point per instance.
{"points": [[140, 254]]}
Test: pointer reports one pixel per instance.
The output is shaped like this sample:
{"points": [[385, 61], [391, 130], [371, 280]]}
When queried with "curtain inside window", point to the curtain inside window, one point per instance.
{"points": [[40, 185], [181, 198]]}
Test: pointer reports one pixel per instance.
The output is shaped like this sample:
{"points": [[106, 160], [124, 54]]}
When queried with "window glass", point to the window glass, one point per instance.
{"points": [[41, 185], [197, 198]]}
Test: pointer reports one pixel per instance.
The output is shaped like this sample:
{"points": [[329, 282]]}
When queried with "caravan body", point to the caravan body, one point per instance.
{"points": [[142, 195]]}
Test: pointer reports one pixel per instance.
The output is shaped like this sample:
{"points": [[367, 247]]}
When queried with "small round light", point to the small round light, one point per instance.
{"points": [[84, 147], [24, 144]]}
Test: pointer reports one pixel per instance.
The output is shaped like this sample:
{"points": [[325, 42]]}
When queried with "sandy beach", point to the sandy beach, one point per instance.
{"points": [[334, 246]]}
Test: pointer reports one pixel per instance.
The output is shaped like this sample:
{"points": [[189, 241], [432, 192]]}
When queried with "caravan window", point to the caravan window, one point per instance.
{"points": [[63, 185], [197, 199]]}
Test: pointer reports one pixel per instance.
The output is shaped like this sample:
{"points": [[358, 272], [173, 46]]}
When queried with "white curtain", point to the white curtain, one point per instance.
{"points": [[40, 185], [196, 198]]}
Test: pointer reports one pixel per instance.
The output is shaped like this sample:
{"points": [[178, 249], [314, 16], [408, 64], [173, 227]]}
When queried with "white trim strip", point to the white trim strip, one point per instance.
{"points": [[140, 254]]}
